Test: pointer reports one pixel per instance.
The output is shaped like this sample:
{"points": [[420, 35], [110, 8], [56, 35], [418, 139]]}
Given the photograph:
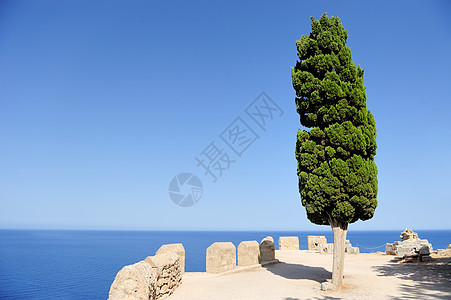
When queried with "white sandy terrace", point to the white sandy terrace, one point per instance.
{"points": [[299, 274]]}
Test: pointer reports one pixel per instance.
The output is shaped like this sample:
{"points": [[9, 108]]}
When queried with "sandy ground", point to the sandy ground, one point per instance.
{"points": [[299, 274]]}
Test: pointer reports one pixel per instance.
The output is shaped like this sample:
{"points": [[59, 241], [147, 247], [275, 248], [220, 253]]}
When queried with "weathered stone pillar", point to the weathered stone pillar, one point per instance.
{"points": [[133, 282], [154, 278], [221, 256], [248, 252], [178, 249], [267, 249], [288, 243]]}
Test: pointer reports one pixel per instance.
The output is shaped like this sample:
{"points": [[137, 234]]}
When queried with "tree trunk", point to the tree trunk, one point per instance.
{"points": [[339, 231]]}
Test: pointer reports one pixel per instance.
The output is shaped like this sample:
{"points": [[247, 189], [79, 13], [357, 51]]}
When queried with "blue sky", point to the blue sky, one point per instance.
{"points": [[102, 103]]}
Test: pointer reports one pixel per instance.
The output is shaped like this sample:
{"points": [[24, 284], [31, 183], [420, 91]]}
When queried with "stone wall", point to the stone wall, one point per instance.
{"points": [[288, 243], [133, 282], [154, 278], [221, 256], [314, 241], [168, 272], [267, 249], [178, 249], [248, 253]]}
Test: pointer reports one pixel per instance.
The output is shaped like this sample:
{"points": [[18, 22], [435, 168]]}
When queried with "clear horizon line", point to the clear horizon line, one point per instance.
{"points": [[215, 230]]}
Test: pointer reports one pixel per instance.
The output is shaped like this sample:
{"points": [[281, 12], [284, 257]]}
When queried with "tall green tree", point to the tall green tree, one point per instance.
{"points": [[336, 168]]}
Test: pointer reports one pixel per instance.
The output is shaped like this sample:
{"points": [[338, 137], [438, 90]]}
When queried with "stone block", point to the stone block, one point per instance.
{"points": [[424, 250], [330, 248], [426, 258], [444, 252], [412, 246], [410, 258], [132, 282], [162, 260], [248, 253], [353, 250], [267, 249], [178, 249], [390, 249], [314, 241], [221, 257], [408, 234], [288, 243], [403, 251], [326, 248]]}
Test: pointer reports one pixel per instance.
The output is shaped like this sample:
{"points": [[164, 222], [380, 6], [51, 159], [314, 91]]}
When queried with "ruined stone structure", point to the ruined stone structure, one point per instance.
{"points": [[133, 282], [326, 248], [168, 272], [288, 243], [154, 278], [221, 256], [178, 249], [350, 249], [408, 234], [248, 253], [314, 241], [410, 244], [444, 252], [267, 249], [329, 248]]}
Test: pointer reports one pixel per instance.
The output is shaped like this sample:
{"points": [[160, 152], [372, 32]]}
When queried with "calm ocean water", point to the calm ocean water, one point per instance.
{"points": [[54, 264]]}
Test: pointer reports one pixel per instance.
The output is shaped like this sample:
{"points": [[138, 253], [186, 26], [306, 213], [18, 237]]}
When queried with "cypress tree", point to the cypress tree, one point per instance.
{"points": [[336, 168]]}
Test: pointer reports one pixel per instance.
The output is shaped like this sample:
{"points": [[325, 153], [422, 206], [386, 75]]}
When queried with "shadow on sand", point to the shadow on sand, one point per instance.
{"points": [[316, 298], [296, 271], [432, 280]]}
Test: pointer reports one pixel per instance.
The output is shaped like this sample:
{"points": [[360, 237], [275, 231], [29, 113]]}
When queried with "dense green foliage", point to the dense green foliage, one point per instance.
{"points": [[336, 169]]}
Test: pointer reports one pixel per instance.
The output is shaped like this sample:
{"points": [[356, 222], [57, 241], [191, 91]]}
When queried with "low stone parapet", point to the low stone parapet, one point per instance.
{"points": [[248, 253], [133, 282], [169, 273], [154, 278], [221, 257], [288, 243], [314, 241], [267, 249], [326, 248], [178, 249]]}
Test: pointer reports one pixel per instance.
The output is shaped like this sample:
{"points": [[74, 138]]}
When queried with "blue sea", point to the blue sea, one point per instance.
{"points": [[70, 264]]}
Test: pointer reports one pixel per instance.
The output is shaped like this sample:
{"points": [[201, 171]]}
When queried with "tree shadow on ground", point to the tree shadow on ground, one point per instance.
{"points": [[431, 280], [316, 298], [296, 271]]}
